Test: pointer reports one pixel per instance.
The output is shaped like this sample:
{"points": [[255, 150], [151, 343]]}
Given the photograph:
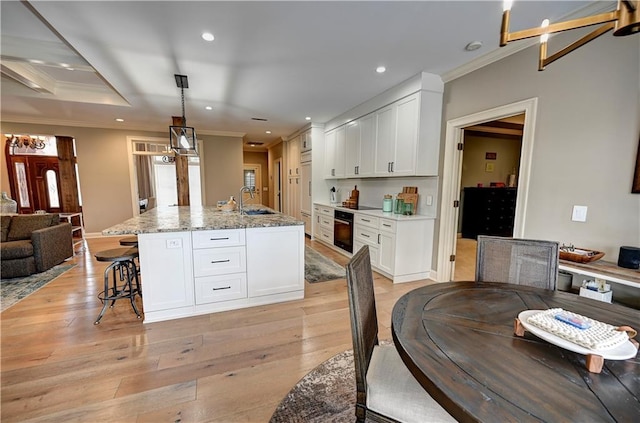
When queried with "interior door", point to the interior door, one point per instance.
{"points": [[35, 183]]}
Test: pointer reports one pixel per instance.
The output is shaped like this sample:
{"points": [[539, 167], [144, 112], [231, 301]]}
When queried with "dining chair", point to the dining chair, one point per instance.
{"points": [[386, 390], [517, 261]]}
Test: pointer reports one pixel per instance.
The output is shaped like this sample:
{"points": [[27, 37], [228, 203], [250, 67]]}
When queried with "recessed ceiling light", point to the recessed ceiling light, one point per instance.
{"points": [[209, 108], [207, 36], [381, 69], [119, 120], [474, 45], [308, 118], [268, 132]]}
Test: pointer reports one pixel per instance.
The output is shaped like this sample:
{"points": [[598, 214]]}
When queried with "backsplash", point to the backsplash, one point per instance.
{"points": [[372, 191]]}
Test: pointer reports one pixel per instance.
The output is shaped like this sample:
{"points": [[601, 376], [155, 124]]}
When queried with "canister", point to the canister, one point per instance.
{"points": [[399, 206], [387, 203]]}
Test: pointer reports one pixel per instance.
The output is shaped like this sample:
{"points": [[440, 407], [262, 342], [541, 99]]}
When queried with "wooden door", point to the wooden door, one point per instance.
{"points": [[35, 183]]}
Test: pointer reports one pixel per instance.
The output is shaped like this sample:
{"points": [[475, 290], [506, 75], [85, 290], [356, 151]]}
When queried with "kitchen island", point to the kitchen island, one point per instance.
{"points": [[199, 260]]}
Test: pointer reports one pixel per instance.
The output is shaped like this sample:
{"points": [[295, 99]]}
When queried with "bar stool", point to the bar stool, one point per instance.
{"points": [[124, 270], [130, 241]]}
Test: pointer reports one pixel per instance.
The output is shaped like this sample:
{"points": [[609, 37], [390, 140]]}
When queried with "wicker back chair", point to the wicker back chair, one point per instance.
{"points": [[517, 261], [386, 390]]}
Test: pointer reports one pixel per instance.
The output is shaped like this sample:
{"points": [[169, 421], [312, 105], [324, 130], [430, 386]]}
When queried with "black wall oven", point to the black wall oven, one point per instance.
{"points": [[343, 230]]}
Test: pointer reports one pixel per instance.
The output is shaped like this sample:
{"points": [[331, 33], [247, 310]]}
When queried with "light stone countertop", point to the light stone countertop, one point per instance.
{"points": [[185, 218], [379, 213]]}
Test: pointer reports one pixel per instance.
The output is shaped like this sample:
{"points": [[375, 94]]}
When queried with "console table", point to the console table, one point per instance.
{"points": [[604, 270]]}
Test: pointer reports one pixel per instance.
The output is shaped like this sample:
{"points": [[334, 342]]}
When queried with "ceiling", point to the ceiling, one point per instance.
{"points": [[88, 63]]}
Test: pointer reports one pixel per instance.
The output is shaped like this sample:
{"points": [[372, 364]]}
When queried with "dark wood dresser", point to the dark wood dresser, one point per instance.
{"points": [[488, 211]]}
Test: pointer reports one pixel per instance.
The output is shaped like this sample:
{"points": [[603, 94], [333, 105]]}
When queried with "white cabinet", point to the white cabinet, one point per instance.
{"points": [[293, 157], [334, 160], [397, 138], [385, 140], [367, 145], [323, 228], [387, 241], [400, 248], [305, 193], [219, 265], [305, 141], [167, 271], [274, 256], [400, 139], [192, 273], [352, 149]]}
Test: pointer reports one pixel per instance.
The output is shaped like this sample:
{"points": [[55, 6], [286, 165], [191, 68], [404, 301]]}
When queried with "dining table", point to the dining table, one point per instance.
{"points": [[458, 340]]}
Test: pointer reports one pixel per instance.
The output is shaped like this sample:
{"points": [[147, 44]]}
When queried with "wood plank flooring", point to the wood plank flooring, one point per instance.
{"points": [[236, 366]]}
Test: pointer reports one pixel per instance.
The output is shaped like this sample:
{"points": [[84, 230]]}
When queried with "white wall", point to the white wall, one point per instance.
{"points": [[585, 141]]}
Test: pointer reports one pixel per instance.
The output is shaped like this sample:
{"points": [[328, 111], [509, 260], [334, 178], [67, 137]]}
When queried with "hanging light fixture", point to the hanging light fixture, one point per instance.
{"points": [[625, 20], [183, 138], [26, 141]]}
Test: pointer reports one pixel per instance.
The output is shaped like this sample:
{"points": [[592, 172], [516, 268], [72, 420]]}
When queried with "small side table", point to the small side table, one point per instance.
{"points": [[77, 227]]}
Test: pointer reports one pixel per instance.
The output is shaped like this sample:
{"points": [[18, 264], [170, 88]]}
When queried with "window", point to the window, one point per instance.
{"points": [[52, 189]]}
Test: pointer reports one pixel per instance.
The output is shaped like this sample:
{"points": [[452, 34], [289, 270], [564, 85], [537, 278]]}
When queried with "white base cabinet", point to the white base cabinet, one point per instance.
{"points": [[191, 273]]}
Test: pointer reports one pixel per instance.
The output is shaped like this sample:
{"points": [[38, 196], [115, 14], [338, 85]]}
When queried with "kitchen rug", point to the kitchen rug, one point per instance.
{"points": [[15, 289], [318, 268]]}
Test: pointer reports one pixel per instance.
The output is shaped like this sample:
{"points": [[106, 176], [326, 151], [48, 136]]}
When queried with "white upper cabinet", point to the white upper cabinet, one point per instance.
{"points": [[305, 141], [385, 140], [293, 158], [367, 144], [399, 139], [352, 149], [334, 160]]}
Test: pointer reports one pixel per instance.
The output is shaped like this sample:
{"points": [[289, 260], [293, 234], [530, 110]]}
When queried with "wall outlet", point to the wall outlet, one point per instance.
{"points": [[429, 200], [579, 214], [174, 243]]}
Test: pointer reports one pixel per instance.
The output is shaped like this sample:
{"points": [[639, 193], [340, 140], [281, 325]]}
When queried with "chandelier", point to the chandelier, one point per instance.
{"points": [[625, 20], [26, 141], [183, 138]]}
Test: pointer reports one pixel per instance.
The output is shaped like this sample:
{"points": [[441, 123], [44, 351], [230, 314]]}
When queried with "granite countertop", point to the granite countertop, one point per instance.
{"points": [[185, 218]]}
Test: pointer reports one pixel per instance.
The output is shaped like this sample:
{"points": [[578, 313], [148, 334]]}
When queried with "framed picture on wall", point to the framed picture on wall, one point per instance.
{"points": [[635, 188]]}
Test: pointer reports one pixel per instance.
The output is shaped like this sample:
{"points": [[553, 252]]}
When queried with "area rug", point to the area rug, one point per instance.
{"points": [[326, 394], [318, 268], [15, 289]]}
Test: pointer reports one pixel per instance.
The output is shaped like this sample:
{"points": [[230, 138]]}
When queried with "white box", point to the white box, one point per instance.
{"points": [[600, 296]]}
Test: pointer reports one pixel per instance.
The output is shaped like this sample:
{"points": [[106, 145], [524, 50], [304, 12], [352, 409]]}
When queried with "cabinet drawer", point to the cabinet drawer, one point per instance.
{"points": [[328, 211], [388, 225], [365, 235], [326, 236], [326, 222], [219, 261], [366, 220], [218, 238], [211, 289]]}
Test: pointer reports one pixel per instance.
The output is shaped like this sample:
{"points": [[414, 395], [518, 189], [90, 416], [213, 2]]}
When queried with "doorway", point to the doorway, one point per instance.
{"points": [[452, 176], [252, 178], [277, 184]]}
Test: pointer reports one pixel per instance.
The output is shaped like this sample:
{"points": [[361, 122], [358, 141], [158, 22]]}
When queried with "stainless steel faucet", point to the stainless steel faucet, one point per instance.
{"points": [[250, 190]]}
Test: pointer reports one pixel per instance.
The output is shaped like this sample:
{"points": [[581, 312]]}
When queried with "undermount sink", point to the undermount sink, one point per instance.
{"points": [[254, 212]]}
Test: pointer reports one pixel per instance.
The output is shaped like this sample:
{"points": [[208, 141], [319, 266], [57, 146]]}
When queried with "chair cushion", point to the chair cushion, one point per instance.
{"points": [[393, 391], [22, 225], [16, 249]]}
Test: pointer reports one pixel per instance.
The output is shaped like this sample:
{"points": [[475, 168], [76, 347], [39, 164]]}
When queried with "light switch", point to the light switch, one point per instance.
{"points": [[579, 214]]}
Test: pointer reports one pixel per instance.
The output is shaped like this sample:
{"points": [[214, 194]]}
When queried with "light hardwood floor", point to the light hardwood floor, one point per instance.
{"points": [[57, 366]]}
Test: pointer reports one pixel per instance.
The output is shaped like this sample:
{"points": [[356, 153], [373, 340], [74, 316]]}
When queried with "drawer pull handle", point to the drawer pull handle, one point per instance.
{"points": [[366, 236], [365, 220], [384, 224], [221, 261], [218, 289], [218, 239], [378, 238]]}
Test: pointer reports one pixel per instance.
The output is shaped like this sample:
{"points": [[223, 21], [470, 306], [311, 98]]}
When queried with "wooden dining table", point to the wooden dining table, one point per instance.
{"points": [[457, 339]]}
